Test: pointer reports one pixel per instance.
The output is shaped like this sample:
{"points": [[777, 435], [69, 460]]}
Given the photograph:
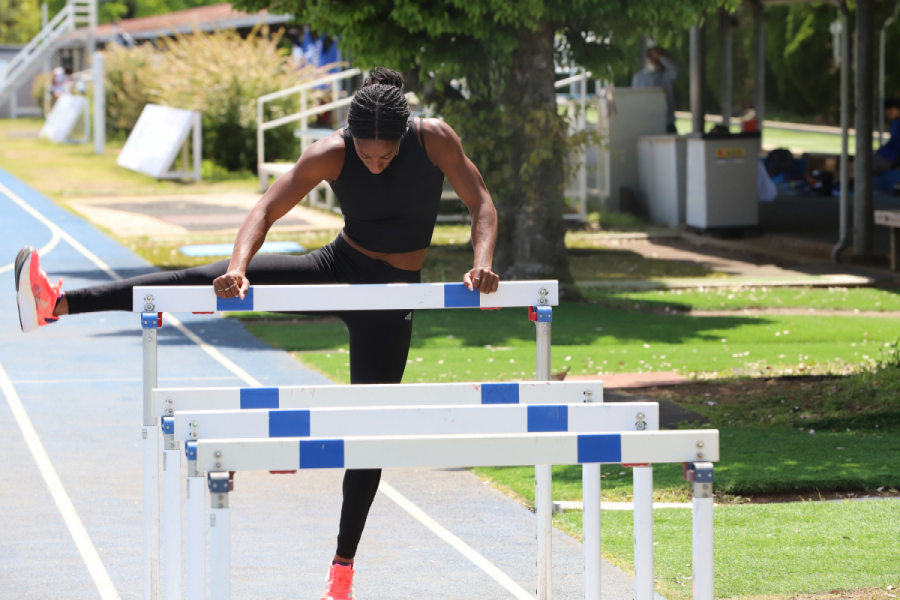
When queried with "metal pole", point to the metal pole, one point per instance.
{"points": [[45, 18], [543, 474], [171, 512], [219, 538], [698, 77], [590, 481], [726, 66], [195, 527], [150, 463], [844, 233], [703, 532], [880, 105], [198, 146], [643, 532], [260, 147], [865, 65], [760, 78], [99, 79]]}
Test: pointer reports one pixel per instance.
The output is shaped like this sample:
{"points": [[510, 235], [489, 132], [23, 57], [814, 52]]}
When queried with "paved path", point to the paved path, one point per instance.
{"points": [[71, 404]]}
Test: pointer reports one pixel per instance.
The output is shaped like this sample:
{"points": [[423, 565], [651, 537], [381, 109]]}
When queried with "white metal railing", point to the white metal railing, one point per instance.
{"points": [[577, 112], [262, 125], [74, 14]]}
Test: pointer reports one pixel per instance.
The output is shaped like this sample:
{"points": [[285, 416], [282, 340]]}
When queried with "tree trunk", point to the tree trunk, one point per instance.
{"points": [[531, 240]]}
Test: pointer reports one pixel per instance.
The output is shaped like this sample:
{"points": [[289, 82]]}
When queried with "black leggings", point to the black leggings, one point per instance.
{"points": [[379, 340]]}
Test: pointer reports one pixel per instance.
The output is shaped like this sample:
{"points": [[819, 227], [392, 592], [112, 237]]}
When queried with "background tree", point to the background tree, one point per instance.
{"points": [[506, 113], [20, 20]]}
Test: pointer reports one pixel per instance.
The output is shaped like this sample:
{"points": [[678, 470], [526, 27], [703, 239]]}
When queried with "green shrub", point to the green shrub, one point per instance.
{"points": [[220, 75]]}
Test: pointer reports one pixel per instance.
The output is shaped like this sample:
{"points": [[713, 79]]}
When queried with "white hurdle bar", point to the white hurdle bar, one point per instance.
{"points": [[219, 456], [151, 302]]}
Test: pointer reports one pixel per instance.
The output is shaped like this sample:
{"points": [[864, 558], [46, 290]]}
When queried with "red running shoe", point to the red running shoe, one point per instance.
{"points": [[340, 583], [35, 295]]}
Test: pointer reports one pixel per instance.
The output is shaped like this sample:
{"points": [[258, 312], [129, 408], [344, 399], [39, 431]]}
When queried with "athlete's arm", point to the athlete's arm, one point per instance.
{"points": [[322, 161], [446, 151]]}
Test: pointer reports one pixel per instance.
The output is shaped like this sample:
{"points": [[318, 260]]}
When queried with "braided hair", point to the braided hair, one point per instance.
{"points": [[379, 110]]}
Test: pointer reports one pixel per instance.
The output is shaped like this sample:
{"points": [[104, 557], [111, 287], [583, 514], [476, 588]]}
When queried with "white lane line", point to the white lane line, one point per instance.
{"points": [[63, 503], [54, 240], [57, 229], [215, 354], [480, 561]]}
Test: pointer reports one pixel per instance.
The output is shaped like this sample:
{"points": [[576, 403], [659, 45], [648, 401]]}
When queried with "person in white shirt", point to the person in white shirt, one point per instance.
{"points": [[660, 71]]}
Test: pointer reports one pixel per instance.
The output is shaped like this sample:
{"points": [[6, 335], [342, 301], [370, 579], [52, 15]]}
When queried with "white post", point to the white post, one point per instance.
{"points": [[14, 104], [312, 196], [99, 78], [582, 172], [195, 531], [150, 464], [643, 532], [172, 519], [590, 476], [219, 538], [703, 531], [260, 147], [543, 474], [45, 18], [198, 146]]}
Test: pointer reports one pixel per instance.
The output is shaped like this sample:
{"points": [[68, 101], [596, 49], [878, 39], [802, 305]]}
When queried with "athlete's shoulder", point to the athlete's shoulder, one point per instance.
{"points": [[441, 140], [325, 157]]}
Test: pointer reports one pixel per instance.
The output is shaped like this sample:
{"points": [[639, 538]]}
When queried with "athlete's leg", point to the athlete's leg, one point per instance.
{"points": [[271, 269], [379, 346]]}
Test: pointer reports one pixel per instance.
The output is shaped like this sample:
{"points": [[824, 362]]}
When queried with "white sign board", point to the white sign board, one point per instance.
{"points": [[62, 119], [157, 137]]}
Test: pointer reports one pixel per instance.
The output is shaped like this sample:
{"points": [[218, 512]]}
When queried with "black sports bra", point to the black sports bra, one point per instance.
{"points": [[395, 210]]}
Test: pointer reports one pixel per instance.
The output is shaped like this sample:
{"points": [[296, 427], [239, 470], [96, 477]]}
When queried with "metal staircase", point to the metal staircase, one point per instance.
{"points": [[76, 13]]}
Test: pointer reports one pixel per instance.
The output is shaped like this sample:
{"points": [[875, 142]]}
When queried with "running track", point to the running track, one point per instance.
{"points": [[69, 444]]}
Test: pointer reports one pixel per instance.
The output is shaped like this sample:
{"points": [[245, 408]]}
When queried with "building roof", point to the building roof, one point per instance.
{"points": [[203, 18]]}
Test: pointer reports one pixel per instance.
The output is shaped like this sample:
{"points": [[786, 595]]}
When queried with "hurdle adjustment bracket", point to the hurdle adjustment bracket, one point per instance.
{"points": [[219, 486], [151, 320], [701, 475]]}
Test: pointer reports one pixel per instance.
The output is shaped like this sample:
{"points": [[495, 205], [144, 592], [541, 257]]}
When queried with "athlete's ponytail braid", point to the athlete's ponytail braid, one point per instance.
{"points": [[379, 110]]}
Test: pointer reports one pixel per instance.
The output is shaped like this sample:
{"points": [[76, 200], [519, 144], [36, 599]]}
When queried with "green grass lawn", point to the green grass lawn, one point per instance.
{"points": [[809, 141], [768, 550], [862, 299], [450, 345]]}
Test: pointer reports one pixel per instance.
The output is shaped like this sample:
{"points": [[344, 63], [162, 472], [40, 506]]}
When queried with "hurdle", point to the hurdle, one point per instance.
{"points": [[189, 427], [151, 302], [217, 457]]}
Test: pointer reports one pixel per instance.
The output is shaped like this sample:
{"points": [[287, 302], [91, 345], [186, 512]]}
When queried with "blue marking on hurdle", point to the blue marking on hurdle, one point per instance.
{"points": [[457, 295], [149, 320], [288, 423], [190, 450], [168, 424], [321, 454], [499, 393], [261, 397], [224, 304], [548, 418], [544, 314], [600, 448]]}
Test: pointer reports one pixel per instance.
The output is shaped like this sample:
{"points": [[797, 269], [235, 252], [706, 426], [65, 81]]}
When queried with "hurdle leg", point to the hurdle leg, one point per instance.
{"points": [[219, 538], [195, 527], [543, 474], [590, 478], [150, 463], [171, 555], [643, 532], [703, 531]]}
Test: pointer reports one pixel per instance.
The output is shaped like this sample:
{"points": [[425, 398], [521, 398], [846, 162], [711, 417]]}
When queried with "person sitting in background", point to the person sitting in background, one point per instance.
{"points": [[887, 158], [660, 71]]}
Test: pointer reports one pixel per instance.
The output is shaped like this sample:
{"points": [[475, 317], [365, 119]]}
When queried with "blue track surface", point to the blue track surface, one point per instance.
{"points": [[79, 383]]}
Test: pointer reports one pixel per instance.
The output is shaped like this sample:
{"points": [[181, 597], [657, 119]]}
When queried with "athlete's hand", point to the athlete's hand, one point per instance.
{"points": [[482, 279], [232, 284]]}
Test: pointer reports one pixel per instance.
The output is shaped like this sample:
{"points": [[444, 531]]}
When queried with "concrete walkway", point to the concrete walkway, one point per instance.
{"points": [[69, 440]]}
